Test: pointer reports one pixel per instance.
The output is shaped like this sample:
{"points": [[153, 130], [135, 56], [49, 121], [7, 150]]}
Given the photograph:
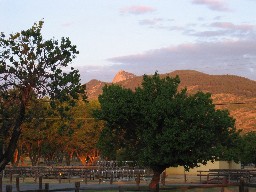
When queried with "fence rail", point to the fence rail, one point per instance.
{"points": [[213, 178], [227, 175], [88, 173]]}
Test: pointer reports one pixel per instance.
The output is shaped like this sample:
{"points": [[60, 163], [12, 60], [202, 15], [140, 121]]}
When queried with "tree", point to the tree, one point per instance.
{"points": [[34, 129], [45, 136], [31, 66], [159, 126], [249, 148], [80, 133]]}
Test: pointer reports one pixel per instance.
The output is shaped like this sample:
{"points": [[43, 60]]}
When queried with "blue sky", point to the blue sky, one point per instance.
{"points": [[144, 36]]}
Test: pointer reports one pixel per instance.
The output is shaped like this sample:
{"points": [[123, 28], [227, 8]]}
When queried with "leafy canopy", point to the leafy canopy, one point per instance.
{"points": [[30, 63], [32, 68], [159, 126], [249, 148]]}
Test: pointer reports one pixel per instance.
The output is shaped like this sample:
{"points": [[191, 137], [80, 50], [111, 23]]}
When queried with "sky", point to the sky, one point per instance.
{"points": [[144, 36]]}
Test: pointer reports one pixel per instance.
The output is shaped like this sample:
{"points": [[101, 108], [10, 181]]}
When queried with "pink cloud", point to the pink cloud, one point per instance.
{"points": [[137, 9], [226, 30], [229, 25], [217, 5]]}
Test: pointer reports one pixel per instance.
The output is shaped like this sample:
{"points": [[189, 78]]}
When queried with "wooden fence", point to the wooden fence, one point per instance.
{"points": [[95, 174], [214, 178], [227, 175], [87, 173]]}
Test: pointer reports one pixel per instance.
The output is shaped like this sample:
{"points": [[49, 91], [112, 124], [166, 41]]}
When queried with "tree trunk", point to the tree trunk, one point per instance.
{"points": [[156, 178], [81, 157], [68, 157], [8, 154], [15, 159]]}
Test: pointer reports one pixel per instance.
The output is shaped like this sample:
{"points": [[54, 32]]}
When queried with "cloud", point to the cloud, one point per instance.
{"points": [[160, 23], [227, 57], [137, 10], [231, 26], [216, 5], [150, 22], [225, 30]]}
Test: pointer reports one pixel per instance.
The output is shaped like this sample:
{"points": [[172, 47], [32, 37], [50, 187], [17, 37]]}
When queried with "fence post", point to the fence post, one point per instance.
{"points": [[138, 181], [208, 177], [46, 187], [59, 177], [69, 176], [241, 186], [163, 177], [121, 189], [77, 186], [40, 182], [11, 176], [1, 182], [8, 188], [17, 183], [85, 177], [185, 177], [225, 180], [111, 179], [36, 175]]}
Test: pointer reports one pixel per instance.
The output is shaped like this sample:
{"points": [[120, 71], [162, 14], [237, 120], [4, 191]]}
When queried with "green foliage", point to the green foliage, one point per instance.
{"points": [[27, 62], [249, 148], [32, 68], [159, 126], [47, 136]]}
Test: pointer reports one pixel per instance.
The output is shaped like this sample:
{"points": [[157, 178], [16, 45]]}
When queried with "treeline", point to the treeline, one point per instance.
{"points": [[49, 137]]}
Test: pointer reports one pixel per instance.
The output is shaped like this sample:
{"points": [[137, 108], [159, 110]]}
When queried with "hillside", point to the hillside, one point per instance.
{"points": [[237, 94], [94, 88]]}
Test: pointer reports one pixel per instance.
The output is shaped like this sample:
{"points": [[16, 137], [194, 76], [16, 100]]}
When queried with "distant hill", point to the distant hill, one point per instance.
{"points": [[94, 88], [237, 94]]}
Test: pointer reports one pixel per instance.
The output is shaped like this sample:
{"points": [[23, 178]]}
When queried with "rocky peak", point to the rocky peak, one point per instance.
{"points": [[122, 76]]}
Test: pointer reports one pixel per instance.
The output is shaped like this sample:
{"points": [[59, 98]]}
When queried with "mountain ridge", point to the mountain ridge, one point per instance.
{"points": [[234, 93], [122, 76]]}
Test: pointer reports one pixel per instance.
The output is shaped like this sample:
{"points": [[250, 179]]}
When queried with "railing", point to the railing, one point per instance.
{"points": [[79, 176], [121, 173], [227, 175], [62, 175]]}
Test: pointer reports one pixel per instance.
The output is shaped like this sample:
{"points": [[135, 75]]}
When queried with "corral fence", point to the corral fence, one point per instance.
{"points": [[243, 180], [68, 174], [227, 175], [87, 173]]}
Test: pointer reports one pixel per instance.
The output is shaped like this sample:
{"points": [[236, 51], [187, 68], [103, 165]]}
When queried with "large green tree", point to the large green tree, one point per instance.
{"points": [[160, 126], [31, 66]]}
